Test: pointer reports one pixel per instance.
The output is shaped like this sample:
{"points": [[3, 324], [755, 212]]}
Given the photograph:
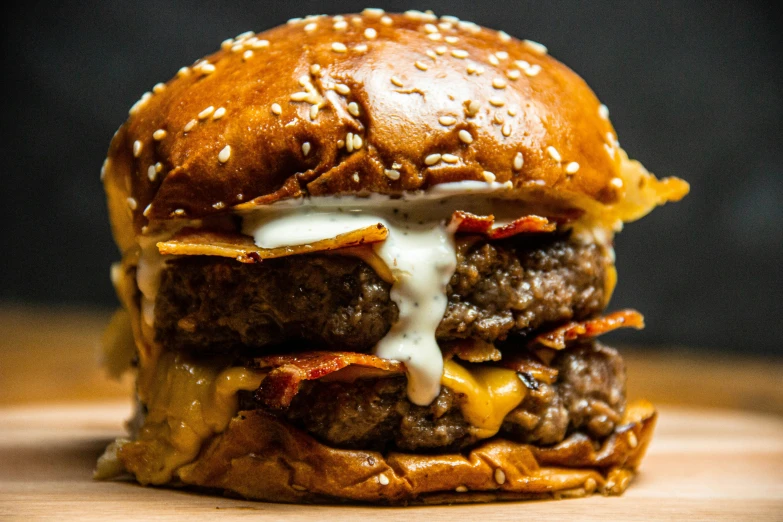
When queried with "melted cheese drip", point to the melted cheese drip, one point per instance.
{"points": [[187, 402], [490, 394]]}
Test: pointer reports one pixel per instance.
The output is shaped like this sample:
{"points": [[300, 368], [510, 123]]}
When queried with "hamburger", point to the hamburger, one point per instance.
{"points": [[366, 258]]}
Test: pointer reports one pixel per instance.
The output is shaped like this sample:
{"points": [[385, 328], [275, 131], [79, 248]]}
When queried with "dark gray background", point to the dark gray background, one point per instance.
{"points": [[694, 90]]}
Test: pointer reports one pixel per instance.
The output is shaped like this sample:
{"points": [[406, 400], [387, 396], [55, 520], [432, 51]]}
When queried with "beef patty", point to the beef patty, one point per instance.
{"points": [[588, 395], [339, 302]]}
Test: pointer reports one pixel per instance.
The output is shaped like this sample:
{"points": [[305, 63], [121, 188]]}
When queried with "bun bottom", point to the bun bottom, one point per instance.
{"points": [[260, 457]]}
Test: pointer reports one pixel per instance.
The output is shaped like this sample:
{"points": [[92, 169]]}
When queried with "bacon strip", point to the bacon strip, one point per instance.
{"points": [[282, 384], [192, 242], [559, 337], [468, 223]]}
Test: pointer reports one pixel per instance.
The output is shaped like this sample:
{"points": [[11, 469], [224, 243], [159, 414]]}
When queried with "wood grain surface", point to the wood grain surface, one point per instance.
{"points": [[712, 458]]}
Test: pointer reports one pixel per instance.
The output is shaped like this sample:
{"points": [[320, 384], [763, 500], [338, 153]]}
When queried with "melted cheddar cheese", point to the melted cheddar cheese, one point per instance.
{"points": [[490, 394], [187, 403]]}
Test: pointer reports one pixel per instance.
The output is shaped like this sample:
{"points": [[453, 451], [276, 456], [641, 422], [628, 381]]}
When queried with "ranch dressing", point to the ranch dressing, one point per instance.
{"points": [[419, 250]]}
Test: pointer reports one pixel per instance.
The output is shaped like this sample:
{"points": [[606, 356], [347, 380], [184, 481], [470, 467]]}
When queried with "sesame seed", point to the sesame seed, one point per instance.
{"points": [[441, 49], [298, 487], [137, 146], [132, 203], [512, 111], [513, 74], [504, 36], [472, 107], [339, 47], [396, 81], [306, 148], [349, 142], [432, 159], [313, 112], [609, 150], [312, 26], [158, 167], [465, 136], [353, 108], [300, 96], [471, 68], [189, 125], [236, 48], [536, 47], [499, 83], [480, 70], [152, 173], [224, 154], [207, 68], [554, 154], [293, 20], [338, 18], [158, 88], [493, 59], [434, 36], [431, 54], [461, 489], [159, 134], [260, 44], [446, 26], [355, 177], [450, 19], [219, 113], [228, 42], [498, 118], [206, 113], [430, 28], [413, 14], [360, 48], [451, 39], [244, 36], [370, 33], [497, 102], [383, 480], [421, 66], [219, 205], [386, 20], [342, 89], [447, 120], [393, 175], [340, 144], [373, 12], [506, 130], [179, 212], [616, 182], [603, 111], [459, 53], [489, 177], [519, 161], [533, 70], [357, 142], [315, 69], [450, 158], [183, 71], [396, 165], [572, 167], [277, 109], [356, 20], [147, 210], [304, 81], [342, 25], [632, 440], [247, 55], [503, 55]]}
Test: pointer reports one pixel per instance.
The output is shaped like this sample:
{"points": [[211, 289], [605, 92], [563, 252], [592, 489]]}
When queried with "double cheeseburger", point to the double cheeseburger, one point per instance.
{"points": [[365, 258]]}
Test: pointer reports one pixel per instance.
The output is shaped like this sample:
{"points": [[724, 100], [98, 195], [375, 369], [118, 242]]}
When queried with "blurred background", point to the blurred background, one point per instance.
{"points": [[695, 89]]}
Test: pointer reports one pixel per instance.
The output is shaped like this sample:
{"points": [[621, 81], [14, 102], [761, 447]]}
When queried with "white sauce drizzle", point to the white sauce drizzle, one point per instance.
{"points": [[419, 251]]}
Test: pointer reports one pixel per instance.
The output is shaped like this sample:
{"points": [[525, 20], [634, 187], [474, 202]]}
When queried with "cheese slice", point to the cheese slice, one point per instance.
{"points": [[490, 394]]}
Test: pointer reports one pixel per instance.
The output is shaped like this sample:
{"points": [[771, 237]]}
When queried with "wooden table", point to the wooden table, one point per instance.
{"points": [[712, 457]]}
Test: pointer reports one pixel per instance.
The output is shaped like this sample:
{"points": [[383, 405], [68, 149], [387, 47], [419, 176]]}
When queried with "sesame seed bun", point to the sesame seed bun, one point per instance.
{"points": [[366, 103]]}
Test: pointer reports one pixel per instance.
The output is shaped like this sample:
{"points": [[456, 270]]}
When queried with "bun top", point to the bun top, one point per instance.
{"points": [[364, 103]]}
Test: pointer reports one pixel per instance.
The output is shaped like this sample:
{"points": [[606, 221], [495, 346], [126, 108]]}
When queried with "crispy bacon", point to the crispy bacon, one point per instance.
{"points": [[559, 337], [526, 363], [468, 223], [206, 243], [288, 371], [470, 350]]}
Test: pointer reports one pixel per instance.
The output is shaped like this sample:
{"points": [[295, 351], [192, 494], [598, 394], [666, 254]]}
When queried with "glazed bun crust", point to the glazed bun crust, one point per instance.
{"points": [[417, 109]]}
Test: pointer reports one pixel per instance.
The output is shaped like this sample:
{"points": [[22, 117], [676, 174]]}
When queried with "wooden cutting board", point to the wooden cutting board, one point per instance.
{"points": [[702, 465]]}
